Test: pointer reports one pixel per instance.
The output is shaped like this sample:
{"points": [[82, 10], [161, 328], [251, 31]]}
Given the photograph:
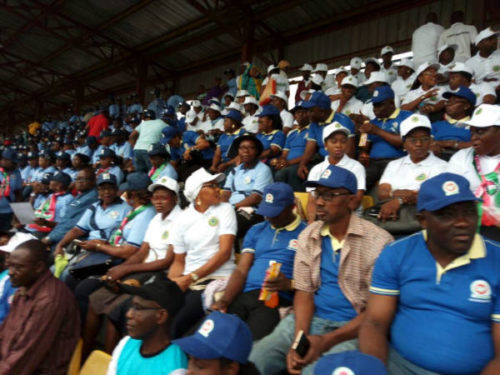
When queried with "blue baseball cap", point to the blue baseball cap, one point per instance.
{"points": [[234, 115], [382, 93], [318, 99], [136, 181], [61, 177], [275, 198], [149, 113], [219, 336], [442, 190], [47, 154], [336, 177], [105, 133], [106, 152], [169, 111], [299, 105], [22, 157], [157, 149], [269, 110], [10, 154], [168, 133], [352, 362], [32, 155], [84, 158], [106, 178], [63, 156], [46, 177], [462, 92], [91, 140]]}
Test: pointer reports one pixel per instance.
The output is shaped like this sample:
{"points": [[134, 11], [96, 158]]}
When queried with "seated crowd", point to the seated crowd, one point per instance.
{"points": [[175, 238]]}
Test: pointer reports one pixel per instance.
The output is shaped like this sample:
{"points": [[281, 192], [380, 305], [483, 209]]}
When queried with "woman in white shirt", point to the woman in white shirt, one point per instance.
{"points": [[402, 177], [203, 243]]}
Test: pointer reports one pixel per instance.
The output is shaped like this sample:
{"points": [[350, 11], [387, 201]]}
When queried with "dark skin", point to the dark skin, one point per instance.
{"points": [[348, 92], [450, 233], [486, 141], [56, 187], [417, 143], [24, 268], [266, 126], [248, 155], [428, 80], [198, 366], [387, 59], [239, 276], [302, 120], [230, 126], [447, 56], [336, 213], [317, 114]]}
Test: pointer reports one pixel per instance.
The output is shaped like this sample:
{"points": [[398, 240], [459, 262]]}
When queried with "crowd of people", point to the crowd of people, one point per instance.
{"points": [[172, 236]]}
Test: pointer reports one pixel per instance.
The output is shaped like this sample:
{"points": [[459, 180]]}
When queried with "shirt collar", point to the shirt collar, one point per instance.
{"points": [[394, 114], [428, 161], [453, 121], [290, 227], [336, 244], [329, 120], [271, 132], [33, 289]]}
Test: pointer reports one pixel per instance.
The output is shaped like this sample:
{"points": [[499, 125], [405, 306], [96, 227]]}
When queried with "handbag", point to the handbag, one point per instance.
{"points": [[405, 224], [88, 263]]}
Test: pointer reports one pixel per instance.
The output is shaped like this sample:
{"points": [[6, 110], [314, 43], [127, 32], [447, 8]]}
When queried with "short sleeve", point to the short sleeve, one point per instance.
{"points": [[278, 140], [136, 234], [263, 178], [229, 180], [385, 277], [227, 218], [150, 232], [288, 140], [250, 240], [113, 365], [84, 222], [19, 181], [138, 128], [388, 175], [495, 317]]}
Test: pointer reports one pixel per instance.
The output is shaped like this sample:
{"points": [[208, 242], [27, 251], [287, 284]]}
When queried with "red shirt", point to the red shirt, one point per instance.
{"points": [[97, 124]]}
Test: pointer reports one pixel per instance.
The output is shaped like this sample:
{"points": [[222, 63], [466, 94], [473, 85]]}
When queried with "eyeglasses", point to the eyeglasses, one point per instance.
{"points": [[415, 140], [327, 195], [213, 185]]}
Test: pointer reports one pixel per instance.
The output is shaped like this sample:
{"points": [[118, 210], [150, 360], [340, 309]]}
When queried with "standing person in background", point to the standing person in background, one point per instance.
{"points": [[460, 34], [97, 124], [424, 43]]}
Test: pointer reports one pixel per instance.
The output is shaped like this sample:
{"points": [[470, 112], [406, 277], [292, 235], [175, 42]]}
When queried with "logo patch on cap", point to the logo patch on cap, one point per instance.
{"points": [[375, 94], [337, 126], [326, 174], [207, 327], [343, 371], [478, 111], [450, 188], [269, 198], [480, 291], [106, 176], [414, 119]]}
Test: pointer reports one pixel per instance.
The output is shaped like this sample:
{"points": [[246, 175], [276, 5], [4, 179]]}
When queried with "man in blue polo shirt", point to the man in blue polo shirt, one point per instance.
{"points": [[436, 292], [320, 115], [384, 142], [274, 240]]}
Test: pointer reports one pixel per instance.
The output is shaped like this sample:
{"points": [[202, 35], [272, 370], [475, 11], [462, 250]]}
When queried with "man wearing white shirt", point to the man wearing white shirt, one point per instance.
{"points": [[328, 79], [460, 34], [425, 40], [461, 75], [347, 103], [280, 101], [386, 53], [486, 62]]}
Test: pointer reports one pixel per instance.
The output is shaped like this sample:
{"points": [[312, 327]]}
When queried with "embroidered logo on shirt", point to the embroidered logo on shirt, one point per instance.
{"points": [[326, 174], [480, 291], [496, 68], [164, 236], [113, 214], [213, 221], [206, 328], [343, 371], [421, 177], [269, 198], [248, 179], [292, 245], [450, 188]]}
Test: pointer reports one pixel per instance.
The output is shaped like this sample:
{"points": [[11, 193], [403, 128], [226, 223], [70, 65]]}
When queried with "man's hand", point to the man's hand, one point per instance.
{"points": [[368, 127], [295, 363], [220, 305], [183, 282], [117, 272], [92, 245], [279, 283], [389, 210], [302, 172]]}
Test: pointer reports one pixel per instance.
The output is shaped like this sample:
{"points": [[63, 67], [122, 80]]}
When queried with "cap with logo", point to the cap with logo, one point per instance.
{"points": [[317, 79], [484, 116], [136, 181], [382, 93], [17, 239], [423, 67], [349, 363], [372, 60], [160, 289], [196, 180], [106, 178], [250, 100], [61, 177], [333, 128], [235, 115], [149, 113], [386, 49], [356, 63], [306, 68], [157, 149], [336, 177], [341, 69], [61, 155], [219, 336], [320, 67], [413, 122], [84, 158], [408, 63], [376, 77], [47, 154], [106, 152], [462, 92], [269, 110], [10, 154], [486, 33], [318, 99], [444, 47], [241, 93], [460, 67], [349, 81], [105, 133], [275, 198], [443, 190], [280, 95], [32, 155], [214, 107], [46, 177], [166, 182]]}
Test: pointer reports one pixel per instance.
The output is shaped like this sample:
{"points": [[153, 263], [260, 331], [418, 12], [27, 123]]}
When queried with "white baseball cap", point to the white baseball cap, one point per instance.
{"points": [[341, 69], [356, 62], [317, 79], [250, 100], [334, 127], [280, 95], [446, 46], [484, 116], [350, 80], [332, 91], [459, 67], [241, 93], [166, 182], [234, 105], [385, 50], [486, 33], [196, 103], [373, 60], [426, 65], [270, 67], [408, 63], [303, 93], [16, 240], [195, 182], [376, 77], [191, 116], [215, 107], [320, 67], [306, 68], [412, 122]]}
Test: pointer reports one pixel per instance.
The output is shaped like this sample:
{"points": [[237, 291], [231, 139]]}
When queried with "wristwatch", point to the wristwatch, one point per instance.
{"points": [[194, 277]]}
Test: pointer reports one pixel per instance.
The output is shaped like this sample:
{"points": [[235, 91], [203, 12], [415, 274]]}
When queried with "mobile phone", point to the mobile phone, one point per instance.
{"points": [[301, 344]]}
